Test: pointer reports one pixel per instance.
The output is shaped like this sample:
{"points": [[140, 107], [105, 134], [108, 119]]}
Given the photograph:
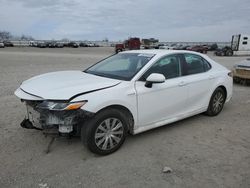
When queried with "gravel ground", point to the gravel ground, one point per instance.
{"points": [[201, 151]]}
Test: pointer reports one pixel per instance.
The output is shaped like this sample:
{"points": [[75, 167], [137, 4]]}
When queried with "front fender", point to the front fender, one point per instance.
{"points": [[122, 94]]}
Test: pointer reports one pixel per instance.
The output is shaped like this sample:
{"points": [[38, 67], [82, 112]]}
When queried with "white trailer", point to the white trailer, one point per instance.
{"points": [[240, 44]]}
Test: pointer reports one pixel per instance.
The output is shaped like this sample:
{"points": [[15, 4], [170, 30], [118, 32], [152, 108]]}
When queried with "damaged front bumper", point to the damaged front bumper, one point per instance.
{"points": [[61, 121]]}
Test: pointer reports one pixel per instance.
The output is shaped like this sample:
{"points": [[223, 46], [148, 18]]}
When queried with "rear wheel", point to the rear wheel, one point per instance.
{"points": [[106, 132], [216, 102]]}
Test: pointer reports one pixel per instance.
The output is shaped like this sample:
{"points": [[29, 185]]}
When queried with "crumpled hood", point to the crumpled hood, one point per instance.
{"points": [[64, 85]]}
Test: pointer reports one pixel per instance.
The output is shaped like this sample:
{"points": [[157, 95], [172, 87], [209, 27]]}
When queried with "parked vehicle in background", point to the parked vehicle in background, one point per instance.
{"points": [[90, 44], [240, 44], [8, 43], [119, 47], [59, 45], [149, 43], [225, 51], [51, 44], [73, 45], [178, 47], [129, 92], [41, 45], [198, 48], [158, 46], [185, 47], [130, 44], [205, 47], [166, 47], [83, 44], [1, 45], [241, 72], [33, 44], [213, 47], [133, 44]]}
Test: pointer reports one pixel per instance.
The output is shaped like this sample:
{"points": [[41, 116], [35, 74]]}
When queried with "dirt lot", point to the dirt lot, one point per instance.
{"points": [[202, 151]]}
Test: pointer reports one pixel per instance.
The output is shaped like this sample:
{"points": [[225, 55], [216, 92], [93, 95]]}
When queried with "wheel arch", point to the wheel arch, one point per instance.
{"points": [[125, 110], [224, 89], [210, 109], [214, 88]]}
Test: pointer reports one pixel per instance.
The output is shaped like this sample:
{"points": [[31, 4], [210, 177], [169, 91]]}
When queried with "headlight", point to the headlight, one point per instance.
{"points": [[61, 105]]}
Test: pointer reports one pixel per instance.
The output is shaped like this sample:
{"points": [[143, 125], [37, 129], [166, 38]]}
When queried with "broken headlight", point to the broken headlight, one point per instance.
{"points": [[50, 105]]}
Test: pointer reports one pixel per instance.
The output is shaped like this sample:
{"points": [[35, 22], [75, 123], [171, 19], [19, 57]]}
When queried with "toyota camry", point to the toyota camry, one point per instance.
{"points": [[130, 92]]}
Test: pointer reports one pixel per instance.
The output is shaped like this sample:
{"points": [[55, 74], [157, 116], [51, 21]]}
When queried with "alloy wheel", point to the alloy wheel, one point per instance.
{"points": [[109, 134], [218, 102]]}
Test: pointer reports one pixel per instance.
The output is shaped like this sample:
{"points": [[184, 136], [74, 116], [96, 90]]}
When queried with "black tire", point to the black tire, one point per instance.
{"points": [[229, 53], [216, 103], [100, 136], [118, 50]]}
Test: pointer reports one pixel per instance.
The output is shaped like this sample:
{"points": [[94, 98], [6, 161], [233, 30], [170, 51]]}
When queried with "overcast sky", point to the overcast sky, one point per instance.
{"points": [[175, 20]]}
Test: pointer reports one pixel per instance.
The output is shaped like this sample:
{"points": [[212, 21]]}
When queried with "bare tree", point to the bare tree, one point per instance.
{"points": [[26, 37], [105, 40], [5, 35], [65, 40]]}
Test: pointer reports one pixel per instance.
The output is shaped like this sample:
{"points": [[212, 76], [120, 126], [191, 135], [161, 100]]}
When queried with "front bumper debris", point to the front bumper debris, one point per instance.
{"points": [[28, 125], [63, 121]]}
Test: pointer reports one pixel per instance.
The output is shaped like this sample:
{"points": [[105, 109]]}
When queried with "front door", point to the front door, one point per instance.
{"points": [[164, 100]]}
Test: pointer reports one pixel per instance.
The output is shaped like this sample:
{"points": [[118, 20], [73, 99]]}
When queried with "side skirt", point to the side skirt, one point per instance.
{"points": [[144, 128]]}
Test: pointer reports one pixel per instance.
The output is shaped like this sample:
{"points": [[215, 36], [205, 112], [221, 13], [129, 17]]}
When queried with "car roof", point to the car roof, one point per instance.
{"points": [[160, 52]]}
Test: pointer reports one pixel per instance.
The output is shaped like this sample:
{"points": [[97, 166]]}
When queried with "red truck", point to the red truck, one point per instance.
{"points": [[201, 49], [130, 44]]}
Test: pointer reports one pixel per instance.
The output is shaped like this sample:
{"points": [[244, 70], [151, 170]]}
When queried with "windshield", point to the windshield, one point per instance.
{"points": [[123, 66]]}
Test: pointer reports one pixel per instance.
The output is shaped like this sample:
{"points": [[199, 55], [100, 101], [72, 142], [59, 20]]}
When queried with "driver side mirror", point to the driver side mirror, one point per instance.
{"points": [[154, 78]]}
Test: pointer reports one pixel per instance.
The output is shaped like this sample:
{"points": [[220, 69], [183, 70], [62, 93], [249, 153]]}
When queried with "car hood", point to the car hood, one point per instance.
{"points": [[64, 85]]}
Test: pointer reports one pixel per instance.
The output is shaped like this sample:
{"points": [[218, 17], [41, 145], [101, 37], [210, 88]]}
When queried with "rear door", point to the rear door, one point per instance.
{"points": [[199, 77]]}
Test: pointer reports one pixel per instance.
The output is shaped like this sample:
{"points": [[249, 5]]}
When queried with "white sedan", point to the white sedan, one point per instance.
{"points": [[129, 92]]}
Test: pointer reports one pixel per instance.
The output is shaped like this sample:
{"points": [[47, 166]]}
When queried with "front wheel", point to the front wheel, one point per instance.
{"points": [[105, 132], [216, 102]]}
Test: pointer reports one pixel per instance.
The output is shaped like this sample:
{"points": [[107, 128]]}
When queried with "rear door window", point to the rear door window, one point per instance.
{"points": [[196, 64]]}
